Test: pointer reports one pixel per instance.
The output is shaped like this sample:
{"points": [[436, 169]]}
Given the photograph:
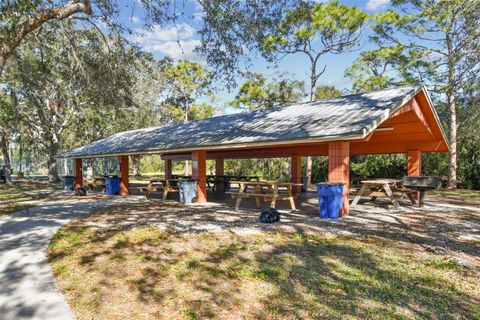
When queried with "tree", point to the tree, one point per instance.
{"points": [[327, 92], [435, 42], [187, 83], [257, 93], [373, 70], [315, 30], [23, 18], [8, 119], [66, 78]]}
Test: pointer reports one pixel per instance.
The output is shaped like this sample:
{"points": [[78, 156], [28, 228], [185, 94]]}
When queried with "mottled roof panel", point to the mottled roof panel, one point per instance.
{"points": [[351, 116]]}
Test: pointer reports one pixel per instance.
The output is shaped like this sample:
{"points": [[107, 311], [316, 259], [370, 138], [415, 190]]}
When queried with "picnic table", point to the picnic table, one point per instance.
{"points": [[160, 185], [383, 188], [268, 190]]}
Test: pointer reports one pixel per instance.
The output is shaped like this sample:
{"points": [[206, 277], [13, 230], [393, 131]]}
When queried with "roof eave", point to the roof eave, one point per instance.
{"points": [[354, 136]]}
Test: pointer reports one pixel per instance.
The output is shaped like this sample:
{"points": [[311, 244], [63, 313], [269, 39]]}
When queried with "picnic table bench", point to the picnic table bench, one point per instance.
{"points": [[388, 188], [160, 185], [97, 182], [266, 190]]}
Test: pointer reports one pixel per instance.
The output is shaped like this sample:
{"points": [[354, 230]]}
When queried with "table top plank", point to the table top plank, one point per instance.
{"points": [[380, 181], [268, 183]]}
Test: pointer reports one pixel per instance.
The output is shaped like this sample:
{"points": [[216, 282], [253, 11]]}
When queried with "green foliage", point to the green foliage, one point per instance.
{"points": [[187, 83], [257, 93], [315, 29], [332, 25], [267, 168], [327, 92]]}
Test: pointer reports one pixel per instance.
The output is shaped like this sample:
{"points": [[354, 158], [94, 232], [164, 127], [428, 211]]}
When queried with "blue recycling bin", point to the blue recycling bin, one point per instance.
{"points": [[112, 186], [330, 197], [187, 189]]}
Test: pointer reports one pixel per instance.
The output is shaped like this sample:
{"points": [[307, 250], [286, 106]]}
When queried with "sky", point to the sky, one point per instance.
{"points": [[164, 41]]}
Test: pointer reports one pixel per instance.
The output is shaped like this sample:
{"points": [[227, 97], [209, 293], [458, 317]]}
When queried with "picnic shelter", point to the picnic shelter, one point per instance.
{"points": [[395, 120]]}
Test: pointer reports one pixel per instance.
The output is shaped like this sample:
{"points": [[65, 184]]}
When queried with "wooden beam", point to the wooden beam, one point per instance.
{"points": [[124, 182], [414, 166], [414, 162], [177, 156], [77, 167], [296, 172], [339, 169], [168, 169], [199, 172]]}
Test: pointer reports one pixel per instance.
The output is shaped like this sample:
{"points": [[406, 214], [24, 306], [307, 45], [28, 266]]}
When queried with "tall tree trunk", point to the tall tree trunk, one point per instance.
{"points": [[313, 81], [136, 166], [4, 145], [52, 163], [187, 168], [452, 168], [20, 154], [89, 172]]}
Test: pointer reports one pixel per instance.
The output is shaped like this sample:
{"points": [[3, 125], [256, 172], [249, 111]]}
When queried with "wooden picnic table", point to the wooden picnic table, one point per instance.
{"points": [[383, 188], [165, 185], [268, 190]]}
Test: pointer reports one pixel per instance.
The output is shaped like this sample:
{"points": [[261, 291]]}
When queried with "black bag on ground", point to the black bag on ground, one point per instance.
{"points": [[269, 215], [80, 192]]}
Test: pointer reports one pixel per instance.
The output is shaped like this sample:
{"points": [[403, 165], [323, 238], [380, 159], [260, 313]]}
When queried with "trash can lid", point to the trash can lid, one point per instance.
{"points": [[322, 184]]}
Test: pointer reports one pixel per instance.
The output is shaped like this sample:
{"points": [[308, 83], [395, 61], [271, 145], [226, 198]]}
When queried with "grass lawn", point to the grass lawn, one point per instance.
{"points": [[13, 198], [461, 195], [148, 273]]}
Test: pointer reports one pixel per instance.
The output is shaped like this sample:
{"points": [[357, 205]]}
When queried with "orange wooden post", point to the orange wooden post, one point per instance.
{"points": [[77, 167], [219, 171], [414, 166], [199, 173], [296, 172], [339, 169], [414, 163], [168, 169], [124, 183]]}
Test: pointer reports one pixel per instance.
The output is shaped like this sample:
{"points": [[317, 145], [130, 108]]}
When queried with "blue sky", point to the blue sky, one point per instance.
{"points": [[163, 41]]}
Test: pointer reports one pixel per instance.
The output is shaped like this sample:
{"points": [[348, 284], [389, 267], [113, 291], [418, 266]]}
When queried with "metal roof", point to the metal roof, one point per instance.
{"points": [[347, 117]]}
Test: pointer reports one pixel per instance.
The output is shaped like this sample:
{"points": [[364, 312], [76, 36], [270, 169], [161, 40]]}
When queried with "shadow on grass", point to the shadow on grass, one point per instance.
{"points": [[274, 275]]}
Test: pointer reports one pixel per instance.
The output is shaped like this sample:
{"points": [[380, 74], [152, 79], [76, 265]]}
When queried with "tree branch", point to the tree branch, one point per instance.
{"points": [[27, 27]]}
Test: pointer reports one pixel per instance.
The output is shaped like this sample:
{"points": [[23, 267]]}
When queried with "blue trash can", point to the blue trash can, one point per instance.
{"points": [[68, 182], [187, 190], [112, 186], [330, 197]]}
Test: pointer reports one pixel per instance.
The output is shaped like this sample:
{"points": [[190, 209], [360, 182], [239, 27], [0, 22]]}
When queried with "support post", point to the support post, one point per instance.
{"points": [[124, 182], [296, 172], [414, 166], [199, 173], [168, 169], [77, 168], [339, 169], [220, 171]]}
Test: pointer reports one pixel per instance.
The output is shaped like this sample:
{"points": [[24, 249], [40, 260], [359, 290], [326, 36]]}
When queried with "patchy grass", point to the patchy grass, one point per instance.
{"points": [[13, 198], [147, 273], [458, 195]]}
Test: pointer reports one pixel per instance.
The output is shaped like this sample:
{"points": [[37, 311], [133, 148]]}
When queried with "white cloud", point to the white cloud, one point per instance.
{"points": [[375, 4], [177, 42], [158, 34], [135, 19]]}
